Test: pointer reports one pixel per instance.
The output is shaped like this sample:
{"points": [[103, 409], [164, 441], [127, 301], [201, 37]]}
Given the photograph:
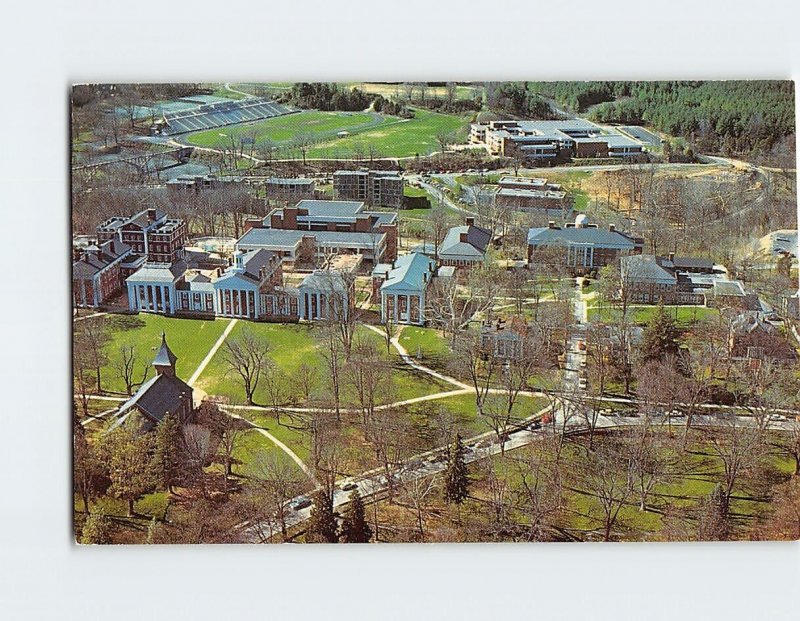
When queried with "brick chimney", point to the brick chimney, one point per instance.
{"points": [[551, 224], [470, 221], [612, 227], [463, 237], [672, 257], [151, 214]]}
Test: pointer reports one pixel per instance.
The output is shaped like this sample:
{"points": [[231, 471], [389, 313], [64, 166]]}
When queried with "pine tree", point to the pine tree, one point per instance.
{"points": [[130, 463], [456, 487], [322, 527], [96, 529], [167, 461], [355, 528], [660, 336]]}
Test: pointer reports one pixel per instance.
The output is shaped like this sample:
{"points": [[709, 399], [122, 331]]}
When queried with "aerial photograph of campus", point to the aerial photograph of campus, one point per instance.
{"points": [[434, 312]]}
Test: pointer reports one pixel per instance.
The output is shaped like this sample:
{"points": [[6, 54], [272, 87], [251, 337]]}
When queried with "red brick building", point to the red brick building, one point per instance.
{"points": [[149, 233]]}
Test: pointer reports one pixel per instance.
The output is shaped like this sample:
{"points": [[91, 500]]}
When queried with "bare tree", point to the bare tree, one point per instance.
{"points": [[740, 447], [515, 373], [608, 478], [307, 379], [540, 491], [452, 305], [279, 480], [247, 356], [416, 492], [302, 142], [369, 375], [333, 354], [650, 458], [125, 366]]}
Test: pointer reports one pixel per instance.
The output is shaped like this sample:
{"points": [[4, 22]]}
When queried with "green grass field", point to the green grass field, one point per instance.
{"points": [[318, 125], [643, 314], [189, 339], [425, 341], [696, 476], [400, 138], [292, 345]]}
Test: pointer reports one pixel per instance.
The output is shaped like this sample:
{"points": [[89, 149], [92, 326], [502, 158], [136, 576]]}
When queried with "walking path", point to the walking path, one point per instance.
{"points": [[412, 363], [212, 351], [280, 445], [89, 316]]}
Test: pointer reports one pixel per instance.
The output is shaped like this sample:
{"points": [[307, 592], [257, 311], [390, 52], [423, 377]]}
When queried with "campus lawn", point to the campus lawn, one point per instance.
{"points": [[413, 192], [255, 452], [643, 314], [292, 345], [282, 129], [465, 413], [700, 470], [425, 341], [189, 339], [401, 138]]}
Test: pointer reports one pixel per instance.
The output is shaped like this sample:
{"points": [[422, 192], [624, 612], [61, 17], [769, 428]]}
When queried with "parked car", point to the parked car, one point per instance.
{"points": [[583, 383], [349, 486], [581, 346], [300, 503]]}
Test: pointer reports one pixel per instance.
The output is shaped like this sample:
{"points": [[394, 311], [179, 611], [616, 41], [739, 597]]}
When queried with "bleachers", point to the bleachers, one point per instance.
{"points": [[209, 116]]}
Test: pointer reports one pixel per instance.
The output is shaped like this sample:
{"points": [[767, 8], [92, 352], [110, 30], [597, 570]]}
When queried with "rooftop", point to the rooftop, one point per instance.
{"points": [[410, 271], [585, 235], [475, 244]]}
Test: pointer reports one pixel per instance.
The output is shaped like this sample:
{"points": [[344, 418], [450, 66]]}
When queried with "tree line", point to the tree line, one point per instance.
{"points": [[734, 116]]}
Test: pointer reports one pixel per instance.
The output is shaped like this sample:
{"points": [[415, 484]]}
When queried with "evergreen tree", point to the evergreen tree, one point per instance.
{"points": [[660, 336], [322, 527], [167, 462], [96, 529], [89, 476], [456, 487], [355, 528], [130, 463]]}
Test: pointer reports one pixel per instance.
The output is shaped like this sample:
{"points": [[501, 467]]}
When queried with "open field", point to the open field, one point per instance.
{"points": [[423, 342], [189, 339], [403, 138], [317, 125], [294, 345], [672, 507], [643, 314]]}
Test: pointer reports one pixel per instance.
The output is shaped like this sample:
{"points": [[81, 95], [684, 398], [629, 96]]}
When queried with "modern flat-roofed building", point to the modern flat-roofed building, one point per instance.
{"points": [[198, 183], [320, 228], [553, 141], [289, 189], [148, 233], [581, 247], [526, 194], [379, 188]]}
